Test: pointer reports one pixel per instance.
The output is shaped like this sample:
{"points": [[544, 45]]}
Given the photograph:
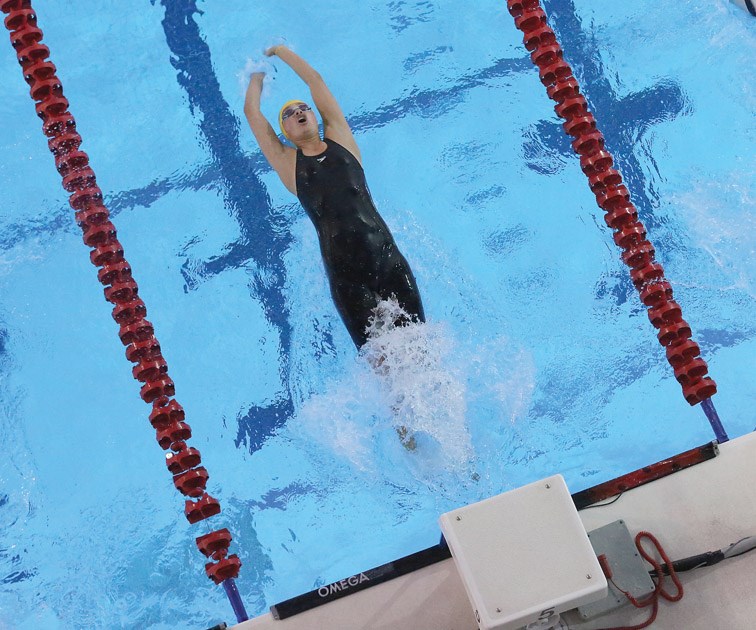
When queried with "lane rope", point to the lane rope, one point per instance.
{"points": [[612, 196], [167, 416]]}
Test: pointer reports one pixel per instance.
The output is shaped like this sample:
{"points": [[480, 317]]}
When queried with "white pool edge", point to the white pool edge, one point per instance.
{"points": [[699, 509]]}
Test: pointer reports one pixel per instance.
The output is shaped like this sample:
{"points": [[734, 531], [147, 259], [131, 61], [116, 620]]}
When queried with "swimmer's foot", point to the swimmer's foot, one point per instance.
{"points": [[407, 440]]}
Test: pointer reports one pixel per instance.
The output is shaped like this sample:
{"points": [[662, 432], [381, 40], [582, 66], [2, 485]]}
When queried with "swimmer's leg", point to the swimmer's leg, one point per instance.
{"points": [[398, 280], [406, 438], [355, 303]]}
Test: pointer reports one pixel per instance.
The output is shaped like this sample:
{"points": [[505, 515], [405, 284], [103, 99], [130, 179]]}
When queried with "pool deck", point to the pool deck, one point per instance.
{"points": [[702, 508]]}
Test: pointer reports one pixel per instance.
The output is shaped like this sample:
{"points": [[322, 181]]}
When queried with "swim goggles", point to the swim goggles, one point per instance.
{"points": [[289, 111]]}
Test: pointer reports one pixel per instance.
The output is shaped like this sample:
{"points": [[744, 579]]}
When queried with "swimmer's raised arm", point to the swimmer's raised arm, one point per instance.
{"points": [[280, 157], [334, 122]]}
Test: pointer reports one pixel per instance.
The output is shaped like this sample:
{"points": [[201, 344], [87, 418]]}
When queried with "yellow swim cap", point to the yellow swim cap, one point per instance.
{"points": [[280, 115]]}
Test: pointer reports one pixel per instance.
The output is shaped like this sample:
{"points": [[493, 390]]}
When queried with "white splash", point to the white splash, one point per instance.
{"points": [[262, 65], [416, 378], [715, 210], [422, 384], [252, 66], [403, 379]]}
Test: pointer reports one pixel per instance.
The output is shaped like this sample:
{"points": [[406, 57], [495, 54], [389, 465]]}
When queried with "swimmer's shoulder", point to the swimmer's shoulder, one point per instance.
{"points": [[343, 138]]}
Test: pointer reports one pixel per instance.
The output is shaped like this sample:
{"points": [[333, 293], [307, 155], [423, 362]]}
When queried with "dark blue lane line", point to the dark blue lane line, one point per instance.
{"points": [[18, 576], [244, 193], [431, 102], [264, 234], [10, 559], [203, 177], [623, 121], [422, 103]]}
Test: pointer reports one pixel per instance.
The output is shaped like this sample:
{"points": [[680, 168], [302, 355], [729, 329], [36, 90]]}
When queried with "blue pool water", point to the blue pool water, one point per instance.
{"points": [[538, 357]]}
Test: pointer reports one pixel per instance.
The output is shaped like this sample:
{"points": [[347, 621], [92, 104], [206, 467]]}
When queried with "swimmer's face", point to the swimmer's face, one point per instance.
{"points": [[299, 122]]}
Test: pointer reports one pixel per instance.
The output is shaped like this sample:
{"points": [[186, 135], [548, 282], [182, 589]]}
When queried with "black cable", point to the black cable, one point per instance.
{"points": [[598, 505], [710, 558]]}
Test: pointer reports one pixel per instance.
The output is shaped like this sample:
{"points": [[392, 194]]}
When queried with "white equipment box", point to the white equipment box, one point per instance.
{"points": [[524, 556]]}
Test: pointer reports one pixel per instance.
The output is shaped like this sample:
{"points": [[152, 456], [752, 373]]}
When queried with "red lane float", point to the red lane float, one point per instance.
{"points": [[614, 198], [224, 569], [172, 434], [129, 312], [215, 545], [206, 507]]}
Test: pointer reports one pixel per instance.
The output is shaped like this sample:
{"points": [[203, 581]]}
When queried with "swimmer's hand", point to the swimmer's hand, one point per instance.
{"points": [[273, 50], [253, 67]]}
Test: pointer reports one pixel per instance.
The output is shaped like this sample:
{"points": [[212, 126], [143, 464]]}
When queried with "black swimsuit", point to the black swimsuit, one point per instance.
{"points": [[362, 261]]}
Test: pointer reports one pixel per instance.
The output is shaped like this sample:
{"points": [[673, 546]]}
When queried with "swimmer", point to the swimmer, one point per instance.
{"points": [[363, 263]]}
